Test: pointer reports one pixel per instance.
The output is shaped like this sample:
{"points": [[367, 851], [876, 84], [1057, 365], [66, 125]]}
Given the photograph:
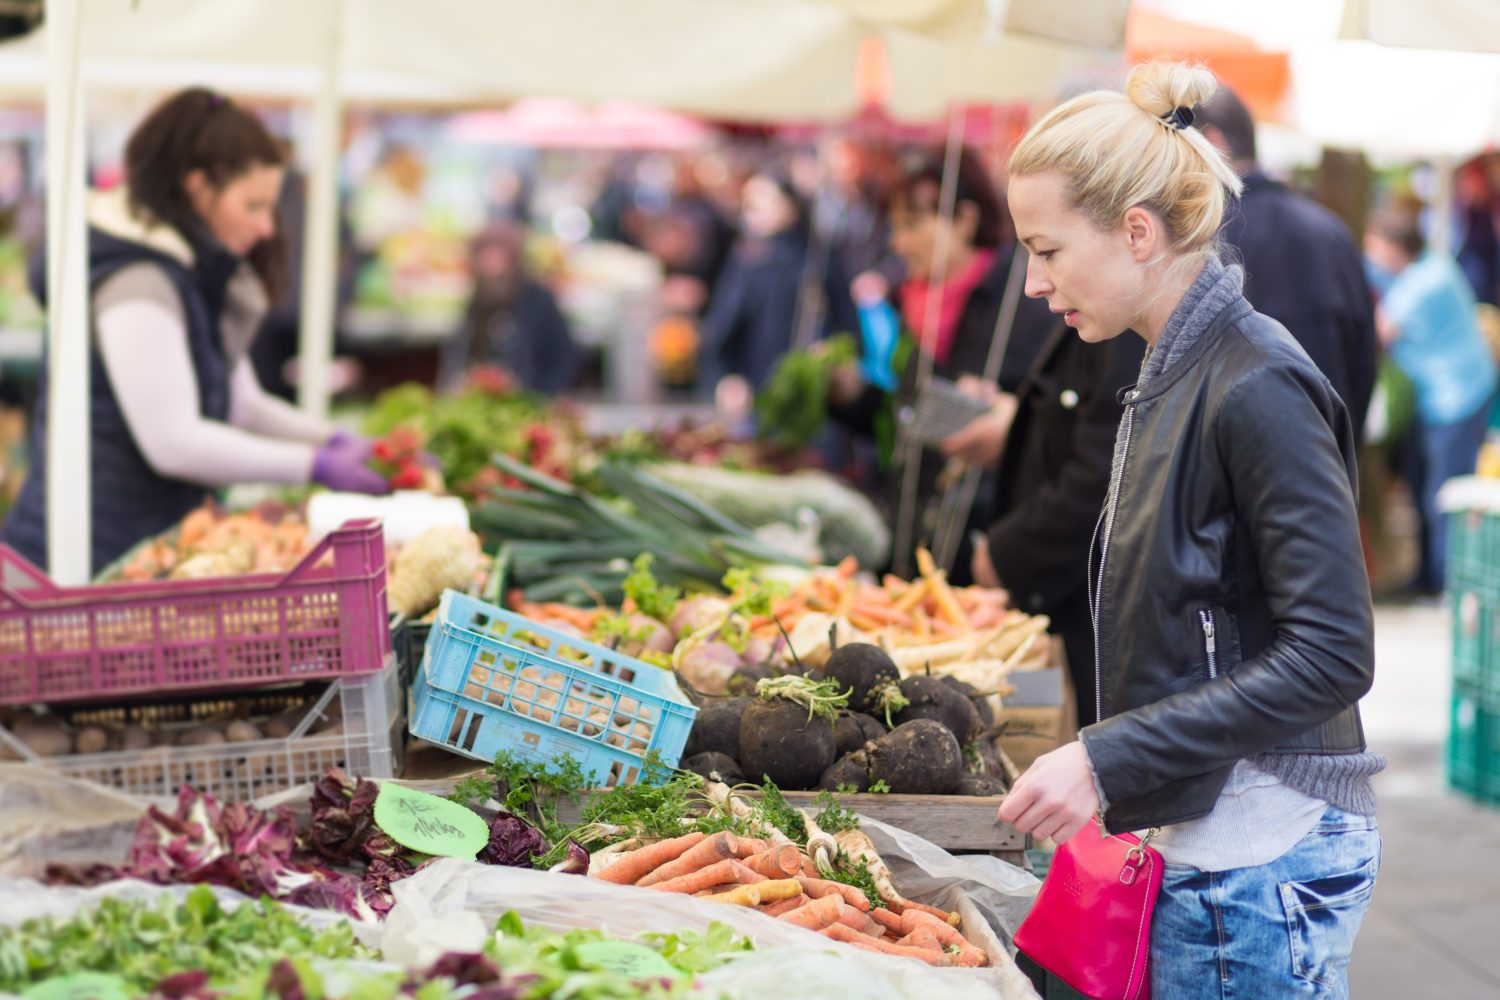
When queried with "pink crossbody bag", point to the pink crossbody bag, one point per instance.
{"points": [[1091, 923]]}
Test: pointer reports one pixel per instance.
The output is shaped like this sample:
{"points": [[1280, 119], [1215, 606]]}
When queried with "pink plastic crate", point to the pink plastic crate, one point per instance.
{"points": [[105, 640]]}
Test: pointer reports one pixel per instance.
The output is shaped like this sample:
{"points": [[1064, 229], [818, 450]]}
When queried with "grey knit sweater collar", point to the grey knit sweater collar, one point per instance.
{"points": [[1215, 290]]}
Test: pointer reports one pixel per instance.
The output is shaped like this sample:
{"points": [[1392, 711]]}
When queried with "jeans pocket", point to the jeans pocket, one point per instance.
{"points": [[1323, 917]]}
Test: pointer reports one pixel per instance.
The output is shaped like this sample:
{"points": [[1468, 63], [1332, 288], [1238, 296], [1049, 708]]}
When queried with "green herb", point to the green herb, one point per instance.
{"points": [[775, 810], [880, 787], [857, 875], [650, 597], [793, 406], [145, 943], [655, 806], [474, 790], [533, 791], [833, 817]]}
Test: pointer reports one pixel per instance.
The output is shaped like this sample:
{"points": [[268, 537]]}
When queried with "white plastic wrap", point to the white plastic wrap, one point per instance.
{"points": [[438, 903], [46, 816]]}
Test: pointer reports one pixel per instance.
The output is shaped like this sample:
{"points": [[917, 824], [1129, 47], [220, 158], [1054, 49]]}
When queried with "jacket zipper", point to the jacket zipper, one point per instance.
{"points": [[1108, 520], [1206, 619]]}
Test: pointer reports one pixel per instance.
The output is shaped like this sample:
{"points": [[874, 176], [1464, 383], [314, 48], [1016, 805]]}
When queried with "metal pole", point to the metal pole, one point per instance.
{"points": [[69, 526], [320, 230]]}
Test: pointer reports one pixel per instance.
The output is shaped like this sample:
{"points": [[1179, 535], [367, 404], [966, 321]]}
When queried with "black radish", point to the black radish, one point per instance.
{"points": [[920, 757]]}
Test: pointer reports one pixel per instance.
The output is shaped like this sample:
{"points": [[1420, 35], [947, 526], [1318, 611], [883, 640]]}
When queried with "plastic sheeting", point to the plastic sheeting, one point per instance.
{"points": [[47, 817]]}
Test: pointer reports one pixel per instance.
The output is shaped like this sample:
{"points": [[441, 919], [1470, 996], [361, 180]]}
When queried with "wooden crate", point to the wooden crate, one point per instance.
{"points": [[953, 822]]}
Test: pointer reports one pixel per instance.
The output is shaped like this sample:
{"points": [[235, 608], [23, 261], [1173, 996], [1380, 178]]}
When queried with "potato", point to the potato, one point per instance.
{"points": [[201, 736], [45, 737], [91, 739], [240, 731]]}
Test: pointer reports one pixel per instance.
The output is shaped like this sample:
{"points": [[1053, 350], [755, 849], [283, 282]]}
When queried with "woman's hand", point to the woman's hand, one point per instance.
{"points": [[1056, 796], [981, 565], [981, 442]]}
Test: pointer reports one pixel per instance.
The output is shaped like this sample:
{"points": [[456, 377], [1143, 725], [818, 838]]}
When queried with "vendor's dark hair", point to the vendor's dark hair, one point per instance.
{"points": [[920, 184], [1227, 113], [198, 129]]}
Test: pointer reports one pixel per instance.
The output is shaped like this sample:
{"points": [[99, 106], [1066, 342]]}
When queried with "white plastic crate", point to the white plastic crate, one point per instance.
{"points": [[369, 744]]}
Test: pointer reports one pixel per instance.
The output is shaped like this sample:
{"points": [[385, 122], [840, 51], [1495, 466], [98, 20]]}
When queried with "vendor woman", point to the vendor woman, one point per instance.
{"points": [[182, 262]]}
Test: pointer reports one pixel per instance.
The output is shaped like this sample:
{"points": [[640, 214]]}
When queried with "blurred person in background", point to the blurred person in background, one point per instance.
{"points": [[512, 320], [980, 250], [768, 290], [1427, 319], [1479, 245], [1302, 265], [183, 263]]}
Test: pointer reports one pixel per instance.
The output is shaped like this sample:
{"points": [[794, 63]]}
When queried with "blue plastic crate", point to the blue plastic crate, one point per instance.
{"points": [[492, 680], [1474, 744]]}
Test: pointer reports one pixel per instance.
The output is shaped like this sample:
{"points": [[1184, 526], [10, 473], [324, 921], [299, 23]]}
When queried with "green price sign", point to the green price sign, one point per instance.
{"points": [[430, 824]]}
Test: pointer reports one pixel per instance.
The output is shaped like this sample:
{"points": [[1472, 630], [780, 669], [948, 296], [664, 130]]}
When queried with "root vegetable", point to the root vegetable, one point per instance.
{"points": [[743, 680], [715, 767], [717, 728], [779, 741], [886, 919], [919, 757], [848, 935], [851, 771], [775, 891], [776, 862], [922, 937], [708, 667], [817, 888], [785, 906], [240, 731], [45, 737], [854, 730], [980, 703], [728, 870], [859, 849], [749, 847], [723, 796], [134, 737], [605, 857], [439, 558], [697, 613], [701, 855], [817, 914], [821, 847], [951, 919], [91, 739], [934, 698], [915, 918], [638, 864], [979, 784], [870, 676]]}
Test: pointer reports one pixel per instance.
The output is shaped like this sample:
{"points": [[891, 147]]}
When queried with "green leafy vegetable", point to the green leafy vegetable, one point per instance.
{"points": [[857, 875], [792, 408], [650, 597], [821, 698], [833, 817]]}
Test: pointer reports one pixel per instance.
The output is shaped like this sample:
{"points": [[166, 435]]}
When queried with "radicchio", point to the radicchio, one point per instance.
{"points": [[513, 842]]}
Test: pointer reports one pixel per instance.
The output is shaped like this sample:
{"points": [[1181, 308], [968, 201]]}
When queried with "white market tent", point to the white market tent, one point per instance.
{"points": [[745, 59]]}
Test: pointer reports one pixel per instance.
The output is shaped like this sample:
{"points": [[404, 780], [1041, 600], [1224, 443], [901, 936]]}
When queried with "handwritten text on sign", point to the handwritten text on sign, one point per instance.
{"points": [[429, 824]]}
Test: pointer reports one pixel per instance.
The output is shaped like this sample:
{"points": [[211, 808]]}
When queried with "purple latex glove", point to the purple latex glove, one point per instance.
{"points": [[362, 446], [342, 467]]}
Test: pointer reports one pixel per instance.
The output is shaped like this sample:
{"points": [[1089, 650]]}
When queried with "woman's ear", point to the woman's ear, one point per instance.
{"points": [[1143, 233], [199, 191]]}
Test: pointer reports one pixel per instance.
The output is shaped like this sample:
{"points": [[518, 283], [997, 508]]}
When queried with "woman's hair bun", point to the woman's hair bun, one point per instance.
{"points": [[1158, 88]]}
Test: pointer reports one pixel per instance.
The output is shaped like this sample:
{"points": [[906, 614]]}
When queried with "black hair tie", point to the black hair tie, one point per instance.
{"points": [[1179, 118]]}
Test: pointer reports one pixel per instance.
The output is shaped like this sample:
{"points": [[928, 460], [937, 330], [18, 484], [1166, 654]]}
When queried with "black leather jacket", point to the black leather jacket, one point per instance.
{"points": [[1230, 598]]}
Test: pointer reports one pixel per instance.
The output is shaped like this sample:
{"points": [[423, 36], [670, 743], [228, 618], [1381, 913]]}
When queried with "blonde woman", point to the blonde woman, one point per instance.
{"points": [[1230, 602]]}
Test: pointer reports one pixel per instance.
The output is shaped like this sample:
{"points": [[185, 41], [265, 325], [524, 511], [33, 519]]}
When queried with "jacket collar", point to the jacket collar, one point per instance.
{"points": [[111, 212], [1231, 314]]}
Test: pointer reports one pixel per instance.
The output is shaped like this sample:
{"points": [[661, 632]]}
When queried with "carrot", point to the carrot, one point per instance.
{"points": [[914, 595], [951, 919], [863, 623], [728, 870], [740, 895], [809, 869], [817, 914], [885, 918], [749, 847], [777, 862], [850, 936], [847, 567], [968, 955], [855, 920], [716, 848], [922, 937], [775, 891], [783, 906], [817, 888], [887, 615], [640, 863]]}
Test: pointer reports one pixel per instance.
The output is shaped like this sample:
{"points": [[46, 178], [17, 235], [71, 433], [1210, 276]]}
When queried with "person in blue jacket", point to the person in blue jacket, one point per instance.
{"points": [[1427, 319]]}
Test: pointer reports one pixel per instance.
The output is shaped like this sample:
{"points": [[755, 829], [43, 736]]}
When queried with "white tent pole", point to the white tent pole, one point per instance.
{"points": [[320, 231], [69, 529], [1443, 204]]}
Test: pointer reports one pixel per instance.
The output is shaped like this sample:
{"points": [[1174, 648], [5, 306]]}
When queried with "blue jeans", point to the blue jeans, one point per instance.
{"points": [[1435, 454], [1285, 929]]}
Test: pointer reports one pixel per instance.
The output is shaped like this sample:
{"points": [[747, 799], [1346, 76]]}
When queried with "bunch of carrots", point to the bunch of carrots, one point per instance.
{"points": [[782, 882]]}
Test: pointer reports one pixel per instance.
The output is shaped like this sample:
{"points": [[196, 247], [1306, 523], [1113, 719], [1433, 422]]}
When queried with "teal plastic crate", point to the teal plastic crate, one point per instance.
{"points": [[1474, 744], [491, 680]]}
